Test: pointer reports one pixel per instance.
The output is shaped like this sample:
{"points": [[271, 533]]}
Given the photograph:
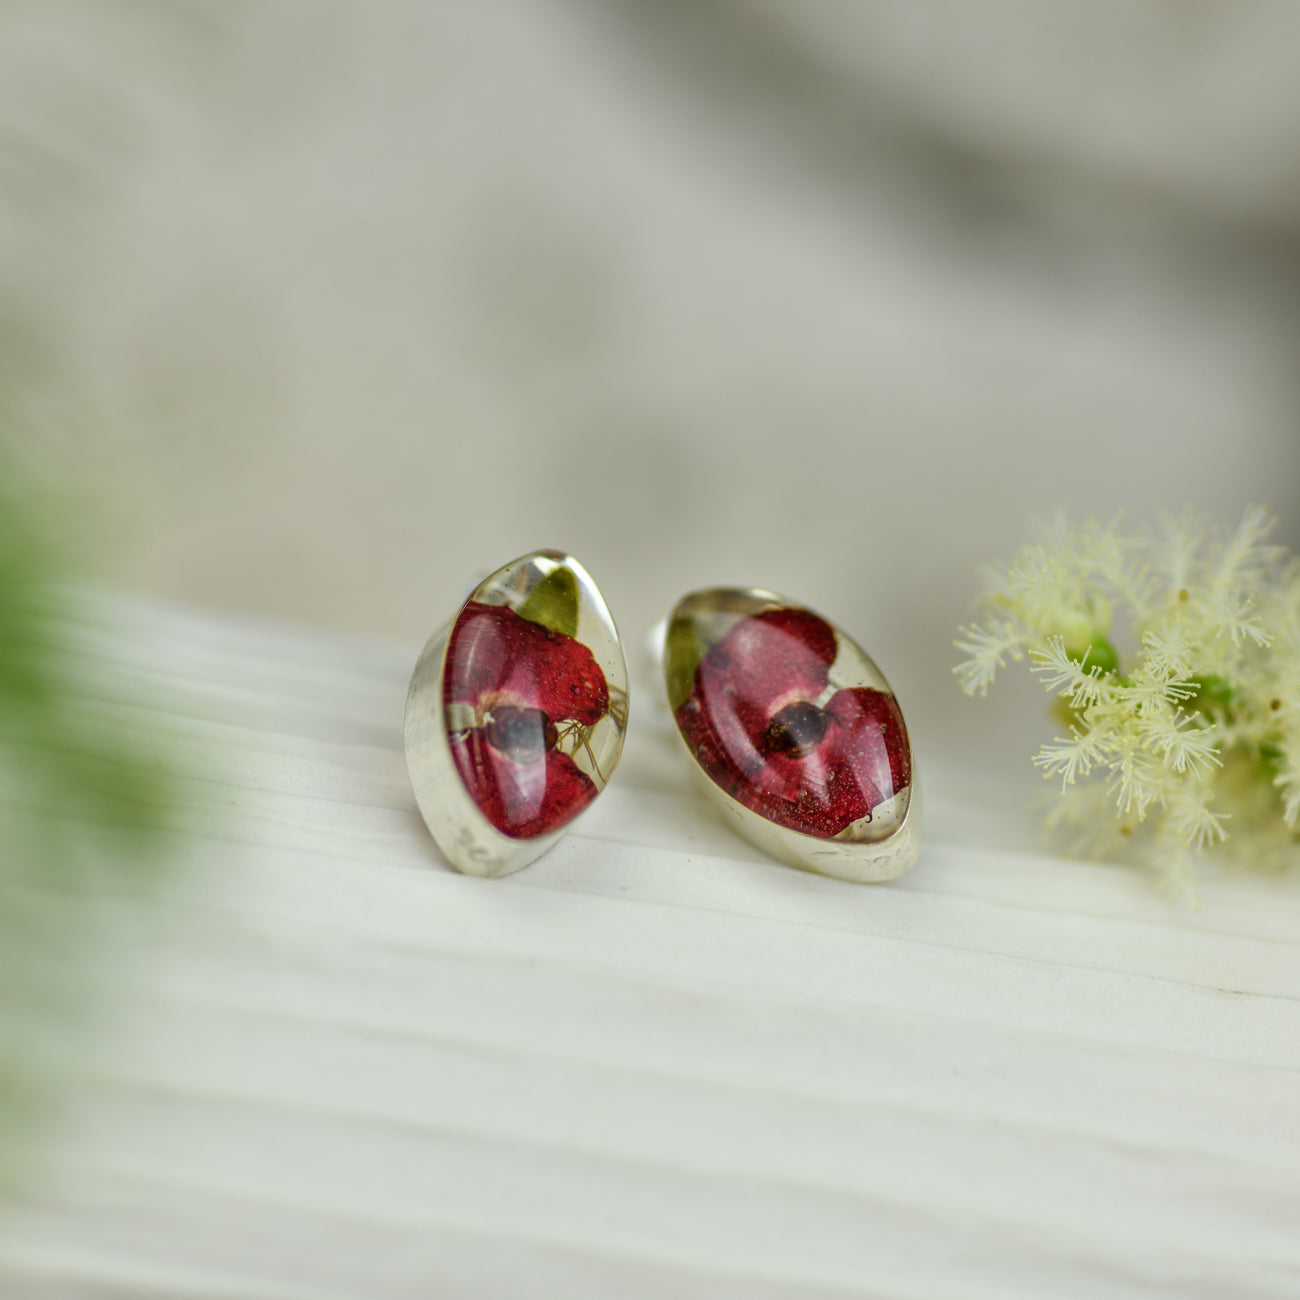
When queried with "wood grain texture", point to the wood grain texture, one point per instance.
{"points": [[653, 1063]]}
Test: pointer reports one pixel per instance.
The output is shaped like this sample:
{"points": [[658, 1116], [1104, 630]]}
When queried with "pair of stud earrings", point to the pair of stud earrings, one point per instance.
{"points": [[517, 710]]}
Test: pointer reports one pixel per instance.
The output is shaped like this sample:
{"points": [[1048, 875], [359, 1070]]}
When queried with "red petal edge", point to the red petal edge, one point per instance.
{"points": [[522, 800], [863, 759], [492, 651], [767, 656]]}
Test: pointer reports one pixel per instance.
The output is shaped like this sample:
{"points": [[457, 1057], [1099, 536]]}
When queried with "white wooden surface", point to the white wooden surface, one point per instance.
{"points": [[653, 1064]]}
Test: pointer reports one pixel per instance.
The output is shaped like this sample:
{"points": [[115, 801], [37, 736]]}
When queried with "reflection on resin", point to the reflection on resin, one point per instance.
{"points": [[534, 721], [788, 715]]}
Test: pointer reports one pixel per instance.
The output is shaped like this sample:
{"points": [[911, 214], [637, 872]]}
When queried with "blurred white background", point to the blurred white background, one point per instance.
{"points": [[340, 305]]}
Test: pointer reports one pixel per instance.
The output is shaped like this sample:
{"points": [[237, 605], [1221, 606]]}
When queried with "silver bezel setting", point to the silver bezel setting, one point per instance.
{"points": [[468, 841], [860, 861]]}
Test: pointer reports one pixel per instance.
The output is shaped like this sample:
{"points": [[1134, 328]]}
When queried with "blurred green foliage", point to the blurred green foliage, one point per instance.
{"points": [[82, 811], [83, 802]]}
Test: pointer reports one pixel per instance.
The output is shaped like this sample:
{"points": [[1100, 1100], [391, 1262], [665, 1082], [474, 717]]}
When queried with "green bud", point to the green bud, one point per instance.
{"points": [[1213, 694], [1098, 653]]}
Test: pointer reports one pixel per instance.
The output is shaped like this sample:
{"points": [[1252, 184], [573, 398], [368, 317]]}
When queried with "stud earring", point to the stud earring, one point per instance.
{"points": [[515, 714], [794, 733]]}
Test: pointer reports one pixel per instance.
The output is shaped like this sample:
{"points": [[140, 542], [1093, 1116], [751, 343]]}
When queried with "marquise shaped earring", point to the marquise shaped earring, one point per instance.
{"points": [[794, 733], [516, 714]]}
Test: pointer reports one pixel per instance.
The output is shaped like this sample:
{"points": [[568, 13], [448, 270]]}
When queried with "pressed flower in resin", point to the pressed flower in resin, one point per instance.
{"points": [[516, 713], [512, 689], [787, 715]]}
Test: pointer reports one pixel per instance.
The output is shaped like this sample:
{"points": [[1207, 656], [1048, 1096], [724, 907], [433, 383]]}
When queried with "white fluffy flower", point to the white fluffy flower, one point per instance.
{"points": [[1214, 617]]}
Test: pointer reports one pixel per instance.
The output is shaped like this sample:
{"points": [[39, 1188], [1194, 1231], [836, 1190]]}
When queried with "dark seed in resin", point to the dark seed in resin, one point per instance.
{"points": [[795, 730], [789, 717], [516, 682]]}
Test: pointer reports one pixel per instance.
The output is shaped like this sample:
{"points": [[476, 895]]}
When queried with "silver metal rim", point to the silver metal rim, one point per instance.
{"points": [[468, 841], [860, 861]]}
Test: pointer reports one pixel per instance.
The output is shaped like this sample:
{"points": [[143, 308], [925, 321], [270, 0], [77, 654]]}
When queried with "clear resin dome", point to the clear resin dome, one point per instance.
{"points": [[787, 715], [516, 714]]}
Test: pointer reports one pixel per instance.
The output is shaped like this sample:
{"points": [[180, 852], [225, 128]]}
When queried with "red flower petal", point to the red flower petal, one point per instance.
{"points": [[765, 658], [493, 652], [521, 800], [862, 760], [818, 795], [747, 732], [780, 652], [873, 736]]}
